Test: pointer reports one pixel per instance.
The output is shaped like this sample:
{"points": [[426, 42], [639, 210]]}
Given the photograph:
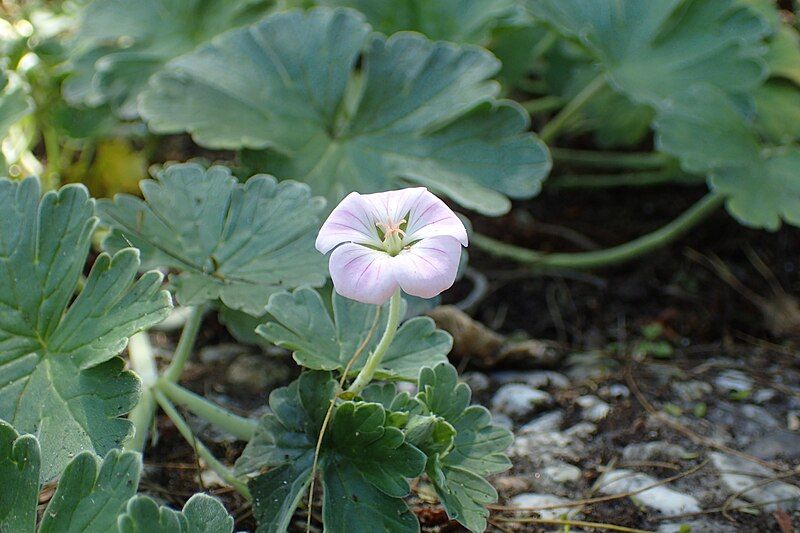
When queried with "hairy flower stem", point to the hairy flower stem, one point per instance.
{"points": [[240, 427], [185, 431], [185, 344], [375, 358], [557, 123], [616, 254], [140, 353]]}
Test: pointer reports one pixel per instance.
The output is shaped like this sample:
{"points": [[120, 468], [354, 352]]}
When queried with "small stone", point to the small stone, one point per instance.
{"points": [[764, 395], [733, 381], [255, 373], [760, 415], [581, 430], [537, 379], [691, 391], [561, 472], [511, 484], [518, 401], [547, 422], [546, 446], [663, 499], [220, 353], [477, 381], [535, 500], [793, 420], [615, 391], [739, 475], [777, 444], [593, 408], [653, 451]]}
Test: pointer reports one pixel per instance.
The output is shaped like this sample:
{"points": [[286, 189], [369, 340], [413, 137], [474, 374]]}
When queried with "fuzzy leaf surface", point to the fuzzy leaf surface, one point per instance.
{"points": [[414, 110], [119, 44], [59, 377], [652, 50], [761, 185], [201, 514], [300, 321], [236, 242], [19, 470]]}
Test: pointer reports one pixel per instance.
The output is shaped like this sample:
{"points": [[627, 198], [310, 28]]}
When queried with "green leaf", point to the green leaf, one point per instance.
{"points": [[92, 493], [236, 242], [59, 377], [478, 449], [461, 21], [14, 100], [762, 186], [119, 44], [289, 84], [364, 472], [652, 50], [301, 322], [201, 514], [242, 325], [19, 470], [15, 104], [778, 112], [285, 442], [783, 55], [364, 462]]}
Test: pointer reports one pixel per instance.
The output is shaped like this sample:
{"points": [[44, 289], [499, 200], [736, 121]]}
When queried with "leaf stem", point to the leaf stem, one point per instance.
{"points": [[543, 104], [616, 254], [374, 359], [556, 124], [140, 354], [626, 179], [185, 344], [52, 151], [213, 463], [598, 159], [240, 427]]}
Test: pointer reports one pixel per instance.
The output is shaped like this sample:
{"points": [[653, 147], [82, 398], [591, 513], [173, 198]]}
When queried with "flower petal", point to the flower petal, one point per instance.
{"points": [[393, 206], [362, 274], [429, 267], [351, 221], [430, 217]]}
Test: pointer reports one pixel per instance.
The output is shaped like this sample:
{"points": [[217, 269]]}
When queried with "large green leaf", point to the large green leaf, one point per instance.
{"points": [[653, 50], [300, 321], [92, 493], [783, 56], [364, 462], [778, 111], [19, 472], [201, 514], [478, 449], [236, 242], [364, 472], [413, 110], [762, 185], [118, 44], [462, 21], [284, 442], [59, 377]]}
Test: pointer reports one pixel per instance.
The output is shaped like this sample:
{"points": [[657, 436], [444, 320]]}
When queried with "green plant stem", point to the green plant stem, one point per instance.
{"points": [[140, 354], [543, 104], [185, 344], [557, 123], [213, 463], [240, 427], [627, 179], [621, 160], [374, 359], [617, 254]]}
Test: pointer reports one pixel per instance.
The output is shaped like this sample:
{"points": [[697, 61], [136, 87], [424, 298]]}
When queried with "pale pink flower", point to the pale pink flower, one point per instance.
{"points": [[407, 238]]}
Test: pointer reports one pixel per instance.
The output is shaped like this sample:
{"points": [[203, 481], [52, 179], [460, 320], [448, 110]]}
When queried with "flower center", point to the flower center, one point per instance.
{"points": [[392, 236]]}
